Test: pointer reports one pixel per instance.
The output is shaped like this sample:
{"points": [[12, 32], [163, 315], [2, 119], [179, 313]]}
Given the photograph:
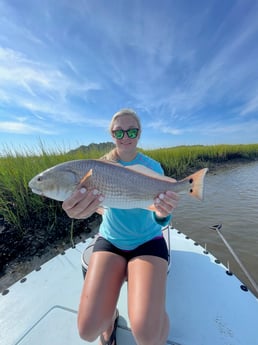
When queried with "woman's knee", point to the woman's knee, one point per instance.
{"points": [[88, 330], [91, 325], [150, 329]]}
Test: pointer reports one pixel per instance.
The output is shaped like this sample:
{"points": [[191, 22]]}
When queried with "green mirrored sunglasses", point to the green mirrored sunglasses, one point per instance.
{"points": [[120, 133]]}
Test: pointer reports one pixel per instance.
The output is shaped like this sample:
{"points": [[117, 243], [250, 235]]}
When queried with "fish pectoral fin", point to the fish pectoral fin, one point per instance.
{"points": [[86, 176]]}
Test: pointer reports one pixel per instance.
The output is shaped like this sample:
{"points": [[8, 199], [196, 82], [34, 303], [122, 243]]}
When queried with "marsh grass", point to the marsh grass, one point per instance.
{"points": [[182, 160], [18, 204], [21, 207]]}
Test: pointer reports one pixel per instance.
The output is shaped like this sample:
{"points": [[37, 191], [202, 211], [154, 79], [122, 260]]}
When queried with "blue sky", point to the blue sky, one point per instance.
{"points": [[188, 68]]}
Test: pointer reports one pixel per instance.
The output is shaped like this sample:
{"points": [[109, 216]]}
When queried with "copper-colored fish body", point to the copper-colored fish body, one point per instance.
{"points": [[123, 187]]}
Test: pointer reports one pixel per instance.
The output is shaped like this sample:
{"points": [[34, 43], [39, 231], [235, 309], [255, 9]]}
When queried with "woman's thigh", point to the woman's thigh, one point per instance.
{"points": [[147, 277], [103, 281]]}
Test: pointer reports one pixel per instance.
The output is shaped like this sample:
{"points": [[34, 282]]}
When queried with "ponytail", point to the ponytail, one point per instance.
{"points": [[111, 155]]}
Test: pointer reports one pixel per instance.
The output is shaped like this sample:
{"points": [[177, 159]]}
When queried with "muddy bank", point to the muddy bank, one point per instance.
{"points": [[21, 253]]}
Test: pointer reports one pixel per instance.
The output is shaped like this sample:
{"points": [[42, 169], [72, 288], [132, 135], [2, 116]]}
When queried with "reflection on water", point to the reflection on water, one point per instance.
{"points": [[230, 199]]}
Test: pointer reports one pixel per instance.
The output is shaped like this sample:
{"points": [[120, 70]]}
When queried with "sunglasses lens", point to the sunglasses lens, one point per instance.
{"points": [[132, 133], [118, 134]]}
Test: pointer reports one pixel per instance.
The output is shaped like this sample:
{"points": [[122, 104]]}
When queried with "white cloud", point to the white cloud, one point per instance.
{"points": [[163, 127], [39, 87], [251, 106], [23, 128], [212, 128], [17, 70]]}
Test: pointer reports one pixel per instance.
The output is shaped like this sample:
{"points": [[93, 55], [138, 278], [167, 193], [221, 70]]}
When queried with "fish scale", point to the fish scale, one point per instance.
{"points": [[123, 187]]}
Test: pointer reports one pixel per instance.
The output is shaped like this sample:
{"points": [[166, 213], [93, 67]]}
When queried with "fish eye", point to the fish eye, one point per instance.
{"points": [[39, 179]]}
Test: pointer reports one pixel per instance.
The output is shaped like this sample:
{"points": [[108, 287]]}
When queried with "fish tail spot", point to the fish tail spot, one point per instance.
{"points": [[196, 180]]}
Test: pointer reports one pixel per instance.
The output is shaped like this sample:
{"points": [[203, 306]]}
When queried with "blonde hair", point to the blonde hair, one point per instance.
{"points": [[113, 154]]}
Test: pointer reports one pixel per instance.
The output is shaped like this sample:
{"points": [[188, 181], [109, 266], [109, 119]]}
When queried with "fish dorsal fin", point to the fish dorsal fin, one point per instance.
{"points": [[143, 170], [147, 171], [109, 162], [139, 168]]}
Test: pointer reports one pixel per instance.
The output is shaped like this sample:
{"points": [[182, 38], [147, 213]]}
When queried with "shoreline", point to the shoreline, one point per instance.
{"points": [[34, 256], [38, 250]]}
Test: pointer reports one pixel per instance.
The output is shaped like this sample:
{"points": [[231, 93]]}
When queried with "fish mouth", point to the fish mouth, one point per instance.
{"points": [[34, 189], [37, 191]]}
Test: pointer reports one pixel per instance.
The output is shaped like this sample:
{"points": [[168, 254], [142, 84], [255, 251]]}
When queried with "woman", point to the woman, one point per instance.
{"points": [[130, 244]]}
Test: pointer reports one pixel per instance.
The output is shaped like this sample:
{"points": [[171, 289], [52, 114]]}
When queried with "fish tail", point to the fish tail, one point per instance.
{"points": [[196, 183]]}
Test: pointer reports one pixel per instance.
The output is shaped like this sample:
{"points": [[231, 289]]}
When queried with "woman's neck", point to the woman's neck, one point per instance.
{"points": [[127, 156]]}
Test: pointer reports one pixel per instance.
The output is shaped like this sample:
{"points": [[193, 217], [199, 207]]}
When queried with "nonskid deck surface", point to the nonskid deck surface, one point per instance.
{"points": [[205, 305], [51, 329]]}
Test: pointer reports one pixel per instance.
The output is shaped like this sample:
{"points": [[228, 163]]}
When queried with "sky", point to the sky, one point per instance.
{"points": [[188, 68]]}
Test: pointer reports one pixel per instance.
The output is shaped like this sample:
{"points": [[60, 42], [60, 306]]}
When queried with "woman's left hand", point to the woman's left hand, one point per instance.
{"points": [[165, 203]]}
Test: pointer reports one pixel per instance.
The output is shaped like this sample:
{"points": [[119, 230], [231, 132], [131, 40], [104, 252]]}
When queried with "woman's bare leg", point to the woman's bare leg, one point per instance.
{"points": [[149, 321], [100, 293]]}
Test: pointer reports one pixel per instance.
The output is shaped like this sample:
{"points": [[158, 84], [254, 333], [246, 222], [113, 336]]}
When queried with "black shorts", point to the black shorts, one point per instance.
{"points": [[155, 247]]}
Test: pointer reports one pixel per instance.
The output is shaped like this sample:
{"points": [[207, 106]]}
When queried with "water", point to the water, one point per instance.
{"points": [[230, 199]]}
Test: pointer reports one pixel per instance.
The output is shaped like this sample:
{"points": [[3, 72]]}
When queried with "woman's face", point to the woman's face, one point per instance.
{"points": [[126, 145]]}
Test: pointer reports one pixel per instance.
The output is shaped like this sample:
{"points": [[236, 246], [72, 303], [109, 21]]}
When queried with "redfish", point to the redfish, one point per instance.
{"points": [[123, 187]]}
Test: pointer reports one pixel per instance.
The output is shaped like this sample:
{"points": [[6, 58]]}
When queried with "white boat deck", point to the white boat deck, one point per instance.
{"points": [[206, 306]]}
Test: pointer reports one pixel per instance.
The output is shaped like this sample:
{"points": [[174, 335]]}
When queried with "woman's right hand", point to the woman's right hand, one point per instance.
{"points": [[82, 203]]}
